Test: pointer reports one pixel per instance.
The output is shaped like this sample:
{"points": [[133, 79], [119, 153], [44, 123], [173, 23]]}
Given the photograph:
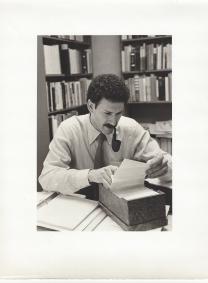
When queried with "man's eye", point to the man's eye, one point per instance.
{"points": [[107, 113]]}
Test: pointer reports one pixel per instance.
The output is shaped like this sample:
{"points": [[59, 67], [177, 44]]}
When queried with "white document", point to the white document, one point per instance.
{"points": [[108, 224], [88, 220], [65, 212], [128, 181], [42, 196]]}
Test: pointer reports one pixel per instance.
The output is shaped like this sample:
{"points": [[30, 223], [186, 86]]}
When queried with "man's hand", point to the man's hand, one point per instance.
{"points": [[102, 175], [157, 166]]}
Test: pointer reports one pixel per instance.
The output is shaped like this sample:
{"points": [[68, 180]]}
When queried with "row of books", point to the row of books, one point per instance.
{"points": [[55, 121], [146, 57], [150, 88], [162, 132], [64, 60], [126, 37], [62, 95]]}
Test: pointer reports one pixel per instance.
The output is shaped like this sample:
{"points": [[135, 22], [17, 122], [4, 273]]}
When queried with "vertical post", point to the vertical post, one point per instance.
{"points": [[42, 111]]}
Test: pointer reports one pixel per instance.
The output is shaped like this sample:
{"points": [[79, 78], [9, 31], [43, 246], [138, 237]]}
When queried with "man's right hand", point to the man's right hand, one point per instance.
{"points": [[102, 175]]}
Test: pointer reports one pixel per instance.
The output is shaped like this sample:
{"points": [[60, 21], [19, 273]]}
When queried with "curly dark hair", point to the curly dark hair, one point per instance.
{"points": [[108, 86]]}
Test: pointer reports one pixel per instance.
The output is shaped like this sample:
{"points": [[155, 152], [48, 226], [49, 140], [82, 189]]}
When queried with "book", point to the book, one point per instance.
{"points": [[74, 61], [83, 55], [161, 85], [64, 57], [52, 59], [132, 59]]}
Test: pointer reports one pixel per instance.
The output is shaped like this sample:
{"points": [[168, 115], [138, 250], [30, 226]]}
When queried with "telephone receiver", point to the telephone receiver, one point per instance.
{"points": [[115, 143]]}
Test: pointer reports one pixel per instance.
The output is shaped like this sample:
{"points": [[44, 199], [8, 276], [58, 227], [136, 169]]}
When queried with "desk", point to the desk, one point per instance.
{"points": [[97, 220]]}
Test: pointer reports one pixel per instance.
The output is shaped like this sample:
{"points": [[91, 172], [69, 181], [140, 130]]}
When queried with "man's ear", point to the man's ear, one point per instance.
{"points": [[90, 106]]}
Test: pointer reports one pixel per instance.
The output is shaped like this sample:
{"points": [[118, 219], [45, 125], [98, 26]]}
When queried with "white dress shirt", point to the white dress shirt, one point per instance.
{"points": [[73, 148]]}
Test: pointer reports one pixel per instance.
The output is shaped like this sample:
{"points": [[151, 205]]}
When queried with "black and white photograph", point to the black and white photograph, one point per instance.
{"points": [[104, 130], [104, 133]]}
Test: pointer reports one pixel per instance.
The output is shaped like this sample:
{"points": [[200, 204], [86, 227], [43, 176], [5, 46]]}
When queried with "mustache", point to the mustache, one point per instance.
{"points": [[109, 126]]}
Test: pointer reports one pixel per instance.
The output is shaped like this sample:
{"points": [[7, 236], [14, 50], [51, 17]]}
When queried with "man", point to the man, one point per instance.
{"points": [[86, 149]]}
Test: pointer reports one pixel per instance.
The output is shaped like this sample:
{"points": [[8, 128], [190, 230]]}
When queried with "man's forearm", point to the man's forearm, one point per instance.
{"points": [[65, 181]]}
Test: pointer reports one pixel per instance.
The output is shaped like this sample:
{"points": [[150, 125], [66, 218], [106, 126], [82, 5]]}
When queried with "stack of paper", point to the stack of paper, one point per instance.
{"points": [[65, 212]]}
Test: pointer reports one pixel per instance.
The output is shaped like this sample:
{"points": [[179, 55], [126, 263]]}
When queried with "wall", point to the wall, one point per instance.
{"points": [[106, 52]]}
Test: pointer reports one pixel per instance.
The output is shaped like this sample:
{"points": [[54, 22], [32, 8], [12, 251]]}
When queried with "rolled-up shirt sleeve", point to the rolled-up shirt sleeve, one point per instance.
{"points": [[57, 174], [146, 148]]}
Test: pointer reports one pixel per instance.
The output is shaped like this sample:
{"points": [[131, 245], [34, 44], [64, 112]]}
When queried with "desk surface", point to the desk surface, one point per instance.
{"points": [[97, 220]]}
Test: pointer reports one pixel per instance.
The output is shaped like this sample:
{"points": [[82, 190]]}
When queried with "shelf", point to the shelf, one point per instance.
{"points": [[149, 102], [64, 77], [74, 44], [155, 72], [152, 39], [62, 111]]}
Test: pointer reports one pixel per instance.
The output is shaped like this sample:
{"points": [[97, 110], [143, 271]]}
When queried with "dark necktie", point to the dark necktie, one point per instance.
{"points": [[99, 156]]}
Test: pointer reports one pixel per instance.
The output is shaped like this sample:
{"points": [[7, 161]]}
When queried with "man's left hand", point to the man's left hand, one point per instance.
{"points": [[157, 166]]}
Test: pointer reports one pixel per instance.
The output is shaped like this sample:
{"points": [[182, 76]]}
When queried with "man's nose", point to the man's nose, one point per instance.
{"points": [[113, 120]]}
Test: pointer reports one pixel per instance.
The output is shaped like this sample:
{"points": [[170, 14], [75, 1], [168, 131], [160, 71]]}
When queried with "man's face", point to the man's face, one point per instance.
{"points": [[106, 115]]}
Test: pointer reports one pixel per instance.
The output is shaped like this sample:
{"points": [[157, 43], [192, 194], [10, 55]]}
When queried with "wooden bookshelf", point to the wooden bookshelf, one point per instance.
{"points": [[46, 117], [149, 102], [81, 109], [149, 39], [74, 44], [147, 72], [55, 81], [142, 61], [154, 108], [66, 77]]}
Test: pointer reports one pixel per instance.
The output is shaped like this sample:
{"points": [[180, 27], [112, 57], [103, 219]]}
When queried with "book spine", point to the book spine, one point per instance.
{"points": [[161, 83], [63, 91], [89, 60], [52, 59], [137, 57], [84, 61], [64, 57], [136, 87], [170, 86], [132, 60], [153, 88], [53, 96], [48, 97], [167, 96]]}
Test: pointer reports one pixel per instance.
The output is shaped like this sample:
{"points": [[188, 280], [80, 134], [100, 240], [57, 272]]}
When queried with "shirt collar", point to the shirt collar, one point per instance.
{"points": [[93, 133]]}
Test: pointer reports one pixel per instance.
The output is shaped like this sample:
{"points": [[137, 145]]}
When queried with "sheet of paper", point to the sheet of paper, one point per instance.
{"points": [[65, 212], [108, 225], [131, 193], [128, 181], [129, 171], [96, 222], [42, 196], [88, 220]]}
